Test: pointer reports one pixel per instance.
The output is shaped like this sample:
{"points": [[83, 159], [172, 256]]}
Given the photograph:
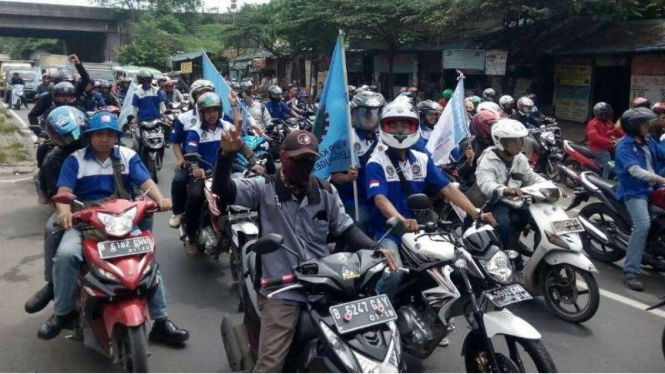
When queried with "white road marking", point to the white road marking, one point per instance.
{"points": [[24, 126], [17, 180], [627, 301]]}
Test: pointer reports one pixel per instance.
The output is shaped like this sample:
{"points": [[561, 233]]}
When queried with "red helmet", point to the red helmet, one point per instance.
{"points": [[482, 123]]}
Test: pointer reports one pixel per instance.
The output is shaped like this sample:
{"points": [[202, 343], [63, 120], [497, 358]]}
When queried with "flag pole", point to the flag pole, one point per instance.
{"points": [[348, 120]]}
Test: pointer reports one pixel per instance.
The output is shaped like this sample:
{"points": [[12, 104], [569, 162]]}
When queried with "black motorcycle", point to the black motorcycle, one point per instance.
{"points": [[149, 141], [550, 155], [659, 304]]}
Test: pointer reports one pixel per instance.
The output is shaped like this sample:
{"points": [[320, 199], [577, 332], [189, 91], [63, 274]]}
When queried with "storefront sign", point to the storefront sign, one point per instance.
{"points": [[572, 103], [573, 75], [401, 64], [464, 59], [650, 86], [495, 62], [186, 67], [259, 63]]}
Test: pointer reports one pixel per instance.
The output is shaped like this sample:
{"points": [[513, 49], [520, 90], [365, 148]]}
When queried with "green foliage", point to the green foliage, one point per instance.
{"points": [[20, 48], [151, 46]]}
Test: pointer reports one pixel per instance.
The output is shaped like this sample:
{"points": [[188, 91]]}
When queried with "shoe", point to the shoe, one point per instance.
{"points": [[192, 249], [633, 282], [175, 220], [444, 342], [52, 327], [165, 331], [40, 299]]}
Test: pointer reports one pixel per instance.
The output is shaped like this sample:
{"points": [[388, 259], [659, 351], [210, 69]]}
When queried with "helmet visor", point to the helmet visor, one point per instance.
{"points": [[64, 98], [367, 118], [400, 127]]}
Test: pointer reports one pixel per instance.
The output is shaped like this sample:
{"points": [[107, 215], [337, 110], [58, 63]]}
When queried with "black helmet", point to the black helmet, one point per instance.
{"points": [[64, 93], [63, 76], [603, 111], [632, 119], [105, 85], [275, 93]]}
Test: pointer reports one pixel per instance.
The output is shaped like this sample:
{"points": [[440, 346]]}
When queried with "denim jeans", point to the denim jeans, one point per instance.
{"points": [[639, 214], [179, 190], [603, 158], [389, 282], [511, 221], [66, 264]]}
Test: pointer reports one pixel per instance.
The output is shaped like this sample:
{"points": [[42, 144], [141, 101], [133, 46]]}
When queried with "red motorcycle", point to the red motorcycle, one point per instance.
{"points": [[117, 278], [579, 158]]}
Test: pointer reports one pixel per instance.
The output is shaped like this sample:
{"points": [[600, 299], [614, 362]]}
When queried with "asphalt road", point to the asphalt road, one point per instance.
{"points": [[620, 338]]}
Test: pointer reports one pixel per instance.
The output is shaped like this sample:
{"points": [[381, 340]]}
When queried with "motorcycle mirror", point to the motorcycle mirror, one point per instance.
{"points": [[64, 198], [396, 226], [419, 202], [268, 244], [192, 157]]}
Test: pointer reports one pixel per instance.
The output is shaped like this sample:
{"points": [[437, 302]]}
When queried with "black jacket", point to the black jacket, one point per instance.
{"points": [[45, 102]]}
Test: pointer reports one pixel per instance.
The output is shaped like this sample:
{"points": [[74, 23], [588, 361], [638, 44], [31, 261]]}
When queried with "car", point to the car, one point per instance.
{"points": [[32, 80]]}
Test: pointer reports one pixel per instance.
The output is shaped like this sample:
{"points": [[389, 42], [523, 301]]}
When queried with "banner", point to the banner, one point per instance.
{"points": [[127, 108], [495, 62], [333, 119], [451, 128], [222, 89]]}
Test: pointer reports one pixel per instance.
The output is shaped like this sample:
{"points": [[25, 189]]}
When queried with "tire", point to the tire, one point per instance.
{"points": [[537, 352], [574, 166], [133, 349], [663, 343], [234, 345], [474, 355], [152, 166], [596, 250], [566, 292]]}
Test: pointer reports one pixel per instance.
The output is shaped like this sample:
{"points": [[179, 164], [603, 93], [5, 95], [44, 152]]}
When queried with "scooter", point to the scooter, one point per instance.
{"points": [[343, 327], [608, 223], [149, 142], [18, 97], [470, 276], [659, 304], [118, 277], [556, 263]]}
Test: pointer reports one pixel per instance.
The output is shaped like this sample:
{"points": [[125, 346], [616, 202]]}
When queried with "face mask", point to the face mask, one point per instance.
{"points": [[296, 172]]}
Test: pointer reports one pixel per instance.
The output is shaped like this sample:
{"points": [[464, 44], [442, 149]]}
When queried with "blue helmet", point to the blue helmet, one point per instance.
{"points": [[63, 125], [104, 121]]}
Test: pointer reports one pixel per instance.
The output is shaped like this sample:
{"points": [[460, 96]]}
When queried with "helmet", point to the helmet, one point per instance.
{"points": [[489, 94], [126, 81], [97, 84], [632, 119], [366, 107], [64, 93], [640, 102], [275, 93], [144, 77], [603, 111], [507, 129], [63, 125], [400, 109], [208, 100], [104, 121], [169, 83], [105, 84], [524, 105], [162, 79], [448, 93], [428, 106], [351, 88], [46, 75], [63, 76], [489, 106], [235, 86], [246, 85], [482, 123], [506, 102], [302, 93], [199, 87], [658, 108], [469, 105]]}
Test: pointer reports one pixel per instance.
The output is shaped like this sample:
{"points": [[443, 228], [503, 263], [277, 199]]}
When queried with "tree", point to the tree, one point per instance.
{"points": [[151, 48], [21, 48]]}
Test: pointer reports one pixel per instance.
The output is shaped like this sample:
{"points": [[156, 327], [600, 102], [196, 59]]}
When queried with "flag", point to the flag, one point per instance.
{"points": [[333, 119], [127, 108], [451, 127], [222, 89]]}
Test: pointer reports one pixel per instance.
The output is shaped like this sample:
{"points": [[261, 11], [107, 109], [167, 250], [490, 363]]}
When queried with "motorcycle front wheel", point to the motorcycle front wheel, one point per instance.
{"points": [[152, 166], [132, 348], [608, 221], [563, 295], [531, 355]]}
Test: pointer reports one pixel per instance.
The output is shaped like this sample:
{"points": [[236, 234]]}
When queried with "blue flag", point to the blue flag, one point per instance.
{"points": [[333, 119], [222, 89]]}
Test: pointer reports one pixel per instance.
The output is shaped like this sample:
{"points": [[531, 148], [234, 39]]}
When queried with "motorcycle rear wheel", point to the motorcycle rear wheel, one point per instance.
{"points": [[561, 289], [236, 345], [133, 348], [476, 359], [597, 213]]}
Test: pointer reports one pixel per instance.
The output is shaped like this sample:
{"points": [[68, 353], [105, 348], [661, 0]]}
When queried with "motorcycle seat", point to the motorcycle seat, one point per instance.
{"points": [[583, 150], [609, 187]]}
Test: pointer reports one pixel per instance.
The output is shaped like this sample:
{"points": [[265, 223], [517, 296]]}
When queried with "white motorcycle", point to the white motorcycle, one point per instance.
{"points": [[557, 268], [18, 96]]}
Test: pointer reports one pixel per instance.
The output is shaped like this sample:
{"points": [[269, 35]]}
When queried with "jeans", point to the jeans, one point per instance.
{"points": [[66, 265], [603, 158], [179, 190], [511, 221], [389, 282], [639, 214], [195, 198]]}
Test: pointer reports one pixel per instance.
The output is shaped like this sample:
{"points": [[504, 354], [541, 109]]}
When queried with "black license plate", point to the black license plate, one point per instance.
{"points": [[126, 247], [505, 296], [362, 313]]}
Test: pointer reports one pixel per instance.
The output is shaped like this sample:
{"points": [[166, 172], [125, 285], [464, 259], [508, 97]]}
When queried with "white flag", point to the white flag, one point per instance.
{"points": [[451, 128]]}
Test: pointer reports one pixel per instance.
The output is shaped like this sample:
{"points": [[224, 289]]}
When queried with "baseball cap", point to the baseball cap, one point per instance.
{"points": [[300, 142]]}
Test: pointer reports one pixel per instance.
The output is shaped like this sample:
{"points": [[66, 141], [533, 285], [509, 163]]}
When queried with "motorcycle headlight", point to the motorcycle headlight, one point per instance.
{"points": [[550, 138], [499, 268], [105, 273], [556, 240], [121, 225], [341, 349]]}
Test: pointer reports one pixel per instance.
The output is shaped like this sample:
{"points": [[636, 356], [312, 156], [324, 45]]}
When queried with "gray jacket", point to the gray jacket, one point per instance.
{"points": [[492, 173]]}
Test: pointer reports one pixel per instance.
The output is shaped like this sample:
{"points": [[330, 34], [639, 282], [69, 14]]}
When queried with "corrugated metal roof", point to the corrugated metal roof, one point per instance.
{"points": [[620, 38], [259, 53], [186, 56]]}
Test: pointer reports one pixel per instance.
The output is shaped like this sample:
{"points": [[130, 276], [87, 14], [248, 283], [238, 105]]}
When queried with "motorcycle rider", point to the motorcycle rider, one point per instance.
{"points": [[91, 100], [658, 126], [148, 101], [276, 107], [45, 86], [602, 135], [366, 109], [301, 208], [64, 93], [429, 112], [172, 94], [447, 95], [123, 88], [524, 114], [64, 127], [639, 167], [480, 129], [259, 115], [107, 95], [17, 80], [84, 174], [495, 167], [507, 104], [489, 95]]}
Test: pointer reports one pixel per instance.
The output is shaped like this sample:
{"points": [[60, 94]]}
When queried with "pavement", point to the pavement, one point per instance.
{"points": [[621, 337]]}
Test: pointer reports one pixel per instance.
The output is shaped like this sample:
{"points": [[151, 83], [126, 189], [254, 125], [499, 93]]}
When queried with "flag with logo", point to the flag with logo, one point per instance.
{"points": [[222, 89], [333, 119], [451, 128], [127, 108]]}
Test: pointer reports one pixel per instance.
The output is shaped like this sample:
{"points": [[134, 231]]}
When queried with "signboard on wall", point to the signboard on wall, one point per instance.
{"points": [[259, 63], [464, 59], [573, 75], [495, 62], [648, 77], [573, 86], [186, 67]]}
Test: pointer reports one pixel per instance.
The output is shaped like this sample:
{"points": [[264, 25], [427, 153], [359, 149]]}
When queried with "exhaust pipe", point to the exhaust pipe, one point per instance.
{"points": [[592, 230], [573, 175]]}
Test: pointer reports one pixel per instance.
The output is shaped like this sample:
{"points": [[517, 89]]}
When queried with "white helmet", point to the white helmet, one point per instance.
{"points": [[400, 109], [491, 106], [506, 129], [506, 103], [489, 94], [199, 87], [524, 105]]}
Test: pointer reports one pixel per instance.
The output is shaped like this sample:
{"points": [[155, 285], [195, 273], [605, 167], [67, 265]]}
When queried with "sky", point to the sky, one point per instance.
{"points": [[221, 4]]}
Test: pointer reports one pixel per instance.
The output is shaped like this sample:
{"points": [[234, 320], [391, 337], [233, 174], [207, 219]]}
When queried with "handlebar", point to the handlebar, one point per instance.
{"points": [[272, 282]]}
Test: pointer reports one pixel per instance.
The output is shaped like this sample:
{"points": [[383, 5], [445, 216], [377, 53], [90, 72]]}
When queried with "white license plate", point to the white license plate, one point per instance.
{"points": [[505, 296], [122, 248], [567, 226]]}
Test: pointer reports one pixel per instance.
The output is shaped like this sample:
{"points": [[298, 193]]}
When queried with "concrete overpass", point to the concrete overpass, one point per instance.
{"points": [[95, 34]]}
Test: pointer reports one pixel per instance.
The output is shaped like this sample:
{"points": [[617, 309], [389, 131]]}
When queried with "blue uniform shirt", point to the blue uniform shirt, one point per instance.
{"points": [[93, 180], [147, 102], [187, 121], [629, 153], [92, 101], [382, 179], [278, 109], [206, 143]]}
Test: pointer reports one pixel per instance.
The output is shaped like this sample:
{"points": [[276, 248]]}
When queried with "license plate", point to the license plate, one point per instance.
{"points": [[362, 313], [567, 226], [126, 247], [507, 295]]}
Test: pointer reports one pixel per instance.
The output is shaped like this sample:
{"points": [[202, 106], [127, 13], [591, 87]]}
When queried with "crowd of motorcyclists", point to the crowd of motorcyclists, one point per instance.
{"points": [[81, 154]]}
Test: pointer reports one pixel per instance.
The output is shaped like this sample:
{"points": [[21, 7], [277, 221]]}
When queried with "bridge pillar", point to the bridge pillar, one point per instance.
{"points": [[112, 46]]}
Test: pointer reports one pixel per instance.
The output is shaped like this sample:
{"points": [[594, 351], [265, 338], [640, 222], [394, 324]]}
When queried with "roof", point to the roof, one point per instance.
{"points": [[620, 38], [259, 53], [186, 56]]}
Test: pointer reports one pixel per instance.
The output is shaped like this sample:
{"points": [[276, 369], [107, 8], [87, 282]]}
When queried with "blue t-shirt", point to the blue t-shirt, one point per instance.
{"points": [[187, 121], [382, 179], [92, 180], [362, 145], [206, 143], [278, 109], [91, 102], [629, 153], [147, 102]]}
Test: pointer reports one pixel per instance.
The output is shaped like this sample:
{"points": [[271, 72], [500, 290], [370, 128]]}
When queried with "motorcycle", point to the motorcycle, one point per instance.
{"points": [[343, 327], [276, 131], [260, 145], [148, 140], [471, 276], [18, 97], [659, 304], [608, 223], [556, 261], [550, 154], [118, 277], [579, 158]]}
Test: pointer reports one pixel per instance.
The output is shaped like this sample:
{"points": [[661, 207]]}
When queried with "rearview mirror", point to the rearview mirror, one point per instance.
{"points": [[419, 202], [268, 244], [192, 157], [64, 198], [396, 226]]}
